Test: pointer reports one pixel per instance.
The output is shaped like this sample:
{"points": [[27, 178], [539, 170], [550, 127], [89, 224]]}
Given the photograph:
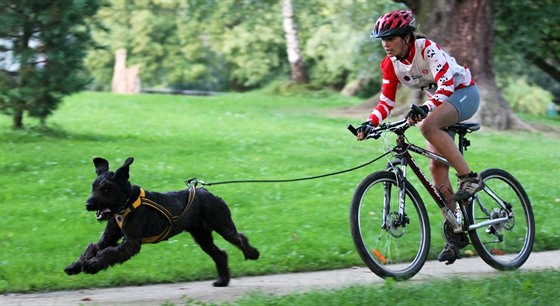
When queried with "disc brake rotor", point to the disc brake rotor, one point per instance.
{"points": [[393, 225]]}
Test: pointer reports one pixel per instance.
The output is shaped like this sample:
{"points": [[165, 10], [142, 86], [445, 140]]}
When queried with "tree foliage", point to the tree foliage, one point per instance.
{"points": [[210, 45], [236, 44], [44, 43], [232, 44], [240, 44], [527, 42]]}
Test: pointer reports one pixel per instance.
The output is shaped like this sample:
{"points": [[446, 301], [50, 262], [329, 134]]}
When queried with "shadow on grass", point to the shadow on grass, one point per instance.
{"points": [[39, 133]]}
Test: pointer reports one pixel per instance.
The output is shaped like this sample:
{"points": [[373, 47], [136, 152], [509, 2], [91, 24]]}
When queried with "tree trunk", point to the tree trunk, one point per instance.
{"points": [[299, 74], [465, 30], [24, 74], [18, 119]]}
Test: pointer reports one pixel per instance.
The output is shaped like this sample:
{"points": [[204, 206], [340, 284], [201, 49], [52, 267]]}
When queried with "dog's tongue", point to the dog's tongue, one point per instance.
{"points": [[101, 212]]}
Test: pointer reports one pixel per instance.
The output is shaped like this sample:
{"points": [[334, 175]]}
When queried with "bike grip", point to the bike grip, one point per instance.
{"points": [[352, 129], [418, 110]]}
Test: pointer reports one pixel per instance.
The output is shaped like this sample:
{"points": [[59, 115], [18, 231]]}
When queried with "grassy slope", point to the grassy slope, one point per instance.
{"points": [[46, 176]]}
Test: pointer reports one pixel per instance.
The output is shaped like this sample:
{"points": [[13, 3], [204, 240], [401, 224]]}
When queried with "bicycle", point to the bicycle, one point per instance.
{"points": [[389, 222]]}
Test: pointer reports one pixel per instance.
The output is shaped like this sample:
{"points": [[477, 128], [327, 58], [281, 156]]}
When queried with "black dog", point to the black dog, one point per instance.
{"points": [[150, 217]]}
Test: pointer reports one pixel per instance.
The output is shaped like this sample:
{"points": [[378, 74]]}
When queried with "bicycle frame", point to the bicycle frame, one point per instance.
{"points": [[405, 160]]}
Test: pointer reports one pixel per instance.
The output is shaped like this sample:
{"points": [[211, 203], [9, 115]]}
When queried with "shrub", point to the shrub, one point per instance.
{"points": [[526, 98]]}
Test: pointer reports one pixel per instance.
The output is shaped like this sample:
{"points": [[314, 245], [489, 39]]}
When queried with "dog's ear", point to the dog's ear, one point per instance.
{"points": [[122, 173], [101, 165]]}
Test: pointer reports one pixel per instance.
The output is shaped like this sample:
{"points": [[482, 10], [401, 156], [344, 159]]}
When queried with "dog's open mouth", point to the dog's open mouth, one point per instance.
{"points": [[103, 214]]}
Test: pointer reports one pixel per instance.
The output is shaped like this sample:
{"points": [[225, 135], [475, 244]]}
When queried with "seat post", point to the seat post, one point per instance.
{"points": [[462, 129], [461, 143]]}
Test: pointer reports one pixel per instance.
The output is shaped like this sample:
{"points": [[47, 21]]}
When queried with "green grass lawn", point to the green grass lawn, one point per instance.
{"points": [[529, 288], [46, 175]]}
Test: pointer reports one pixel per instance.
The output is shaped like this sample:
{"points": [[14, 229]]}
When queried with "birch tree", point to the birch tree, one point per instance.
{"points": [[295, 58]]}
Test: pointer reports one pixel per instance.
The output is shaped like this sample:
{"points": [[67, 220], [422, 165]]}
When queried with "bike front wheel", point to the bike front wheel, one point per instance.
{"points": [[391, 245], [505, 245]]}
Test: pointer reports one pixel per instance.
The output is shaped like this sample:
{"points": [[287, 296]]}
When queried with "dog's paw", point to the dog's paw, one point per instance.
{"points": [[74, 268], [221, 282], [92, 266], [248, 251], [252, 254]]}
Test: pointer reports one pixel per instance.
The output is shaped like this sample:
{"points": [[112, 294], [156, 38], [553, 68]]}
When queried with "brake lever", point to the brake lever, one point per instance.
{"points": [[352, 129]]}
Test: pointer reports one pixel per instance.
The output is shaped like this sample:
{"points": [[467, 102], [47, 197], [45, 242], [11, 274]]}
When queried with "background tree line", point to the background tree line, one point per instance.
{"points": [[42, 47], [239, 45], [235, 45]]}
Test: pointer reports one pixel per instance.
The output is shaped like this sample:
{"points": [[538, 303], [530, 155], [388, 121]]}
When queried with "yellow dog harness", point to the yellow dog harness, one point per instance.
{"points": [[142, 200]]}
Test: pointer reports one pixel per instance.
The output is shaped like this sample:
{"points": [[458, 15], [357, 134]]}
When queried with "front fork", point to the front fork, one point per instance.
{"points": [[455, 218], [400, 175]]}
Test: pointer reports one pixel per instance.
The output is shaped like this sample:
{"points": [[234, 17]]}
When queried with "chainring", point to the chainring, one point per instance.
{"points": [[460, 240]]}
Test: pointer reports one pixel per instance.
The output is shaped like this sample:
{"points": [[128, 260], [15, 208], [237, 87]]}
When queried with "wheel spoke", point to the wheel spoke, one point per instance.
{"points": [[390, 244], [504, 245]]}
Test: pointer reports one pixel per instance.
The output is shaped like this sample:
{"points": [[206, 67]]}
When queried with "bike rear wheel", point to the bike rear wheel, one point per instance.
{"points": [[505, 245], [388, 246]]}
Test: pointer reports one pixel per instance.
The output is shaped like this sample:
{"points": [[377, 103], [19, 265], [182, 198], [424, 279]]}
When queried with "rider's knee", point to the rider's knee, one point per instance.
{"points": [[427, 128]]}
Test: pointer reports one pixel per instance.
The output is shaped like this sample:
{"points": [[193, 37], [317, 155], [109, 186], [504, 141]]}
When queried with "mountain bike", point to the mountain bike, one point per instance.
{"points": [[389, 222]]}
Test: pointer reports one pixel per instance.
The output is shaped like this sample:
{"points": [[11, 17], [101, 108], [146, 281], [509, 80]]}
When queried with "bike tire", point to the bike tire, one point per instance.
{"points": [[507, 245], [397, 252]]}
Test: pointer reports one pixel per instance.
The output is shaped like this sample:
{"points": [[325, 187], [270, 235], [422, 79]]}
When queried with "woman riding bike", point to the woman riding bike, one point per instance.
{"points": [[417, 62]]}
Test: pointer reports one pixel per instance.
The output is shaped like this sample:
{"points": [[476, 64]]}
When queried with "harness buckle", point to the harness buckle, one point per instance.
{"points": [[193, 182]]}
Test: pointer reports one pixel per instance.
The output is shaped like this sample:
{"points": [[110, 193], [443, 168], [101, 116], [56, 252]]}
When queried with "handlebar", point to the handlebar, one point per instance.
{"points": [[397, 127]]}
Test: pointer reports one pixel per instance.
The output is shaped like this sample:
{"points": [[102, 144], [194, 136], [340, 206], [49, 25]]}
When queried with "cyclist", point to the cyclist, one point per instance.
{"points": [[417, 62]]}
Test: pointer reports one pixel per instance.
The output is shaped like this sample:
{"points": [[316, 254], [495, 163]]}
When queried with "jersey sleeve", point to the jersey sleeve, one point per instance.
{"points": [[442, 73], [388, 93]]}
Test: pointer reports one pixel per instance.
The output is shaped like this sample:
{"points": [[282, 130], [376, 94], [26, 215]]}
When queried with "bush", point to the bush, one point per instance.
{"points": [[523, 97]]}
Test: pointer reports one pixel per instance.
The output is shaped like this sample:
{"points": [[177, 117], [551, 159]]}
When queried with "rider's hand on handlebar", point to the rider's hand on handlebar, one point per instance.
{"points": [[365, 129], [417, 114]]}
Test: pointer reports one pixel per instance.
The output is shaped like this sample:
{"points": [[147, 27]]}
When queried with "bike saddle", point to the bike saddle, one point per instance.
{"points": [[464, 127]]}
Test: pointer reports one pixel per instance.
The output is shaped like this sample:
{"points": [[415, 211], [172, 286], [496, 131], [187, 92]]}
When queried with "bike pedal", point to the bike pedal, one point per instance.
{"points": [[449, 254], [451, 261]]}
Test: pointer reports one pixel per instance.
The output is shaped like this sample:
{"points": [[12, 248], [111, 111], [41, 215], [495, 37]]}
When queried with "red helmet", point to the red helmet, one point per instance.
{"points": [[395, 23]]}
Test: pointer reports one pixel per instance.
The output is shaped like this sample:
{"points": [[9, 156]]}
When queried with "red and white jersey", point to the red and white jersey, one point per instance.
{"points": [[427, 68]]}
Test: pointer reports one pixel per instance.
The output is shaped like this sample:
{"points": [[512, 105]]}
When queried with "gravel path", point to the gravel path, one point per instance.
{"points": [[180, 293]]}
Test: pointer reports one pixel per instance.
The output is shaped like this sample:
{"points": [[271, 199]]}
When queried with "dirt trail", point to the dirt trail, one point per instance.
{"points": [[180, 293]]}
